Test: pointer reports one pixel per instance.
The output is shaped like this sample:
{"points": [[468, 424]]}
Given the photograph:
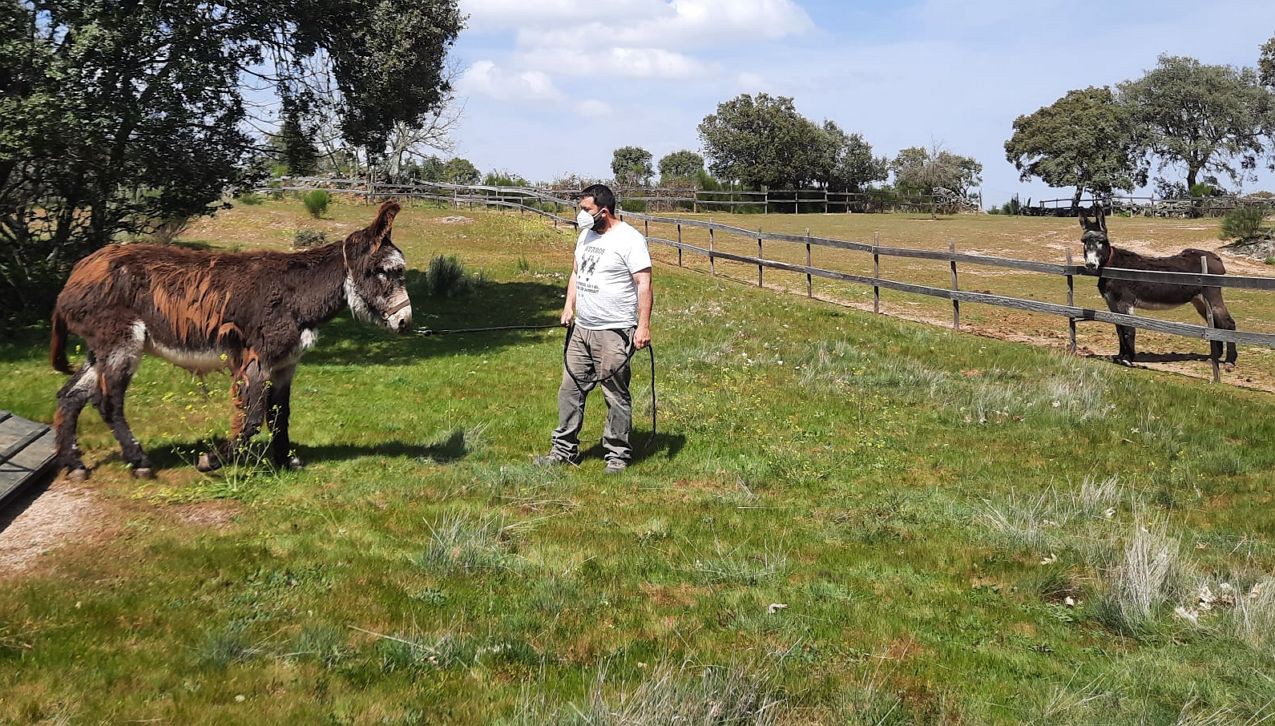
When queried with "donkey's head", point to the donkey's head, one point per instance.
{"points": [[375, 274], [1094, 238]]}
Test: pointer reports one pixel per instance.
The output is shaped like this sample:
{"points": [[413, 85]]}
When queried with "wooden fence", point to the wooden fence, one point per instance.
{"points": [[549, 206], [1151, 206], [788, 201]]}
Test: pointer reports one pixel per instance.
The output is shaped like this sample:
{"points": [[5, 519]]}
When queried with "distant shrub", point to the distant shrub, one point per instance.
{"points": [[1244, 223], [446, 277], [1013, 206], [250, 198], [316, 201], [306, 238]]}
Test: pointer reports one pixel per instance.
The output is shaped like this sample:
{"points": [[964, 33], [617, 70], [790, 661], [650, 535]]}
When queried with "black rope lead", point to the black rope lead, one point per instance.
{"points": [[427, 332]]}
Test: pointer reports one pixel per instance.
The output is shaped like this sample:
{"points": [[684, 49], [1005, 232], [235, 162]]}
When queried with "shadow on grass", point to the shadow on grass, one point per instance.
{"points": [[1158, 357], [452, 448], [644, 447], [348, 342]]}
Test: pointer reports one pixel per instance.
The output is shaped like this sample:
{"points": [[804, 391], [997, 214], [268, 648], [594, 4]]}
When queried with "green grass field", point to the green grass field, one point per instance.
{"points": [[845, 518]]}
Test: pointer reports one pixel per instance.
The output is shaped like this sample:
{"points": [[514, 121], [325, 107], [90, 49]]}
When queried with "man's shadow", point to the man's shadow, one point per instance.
{"points": [[645, 447]]}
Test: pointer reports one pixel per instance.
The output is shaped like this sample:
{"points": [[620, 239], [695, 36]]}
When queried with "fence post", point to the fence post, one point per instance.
{"points": [[876, 272], [956, 304], [712, 261], [810, 289], [759, 258], [1213, 348], [765, 202], [1071, 303], [679, 244], [825, 200]]}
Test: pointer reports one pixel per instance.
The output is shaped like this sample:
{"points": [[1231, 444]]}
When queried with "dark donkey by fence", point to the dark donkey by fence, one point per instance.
{"points": [[253, 313], [1124, 295]]}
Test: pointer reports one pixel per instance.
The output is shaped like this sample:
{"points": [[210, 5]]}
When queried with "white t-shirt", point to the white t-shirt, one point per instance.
{"points": [[606, 296]]}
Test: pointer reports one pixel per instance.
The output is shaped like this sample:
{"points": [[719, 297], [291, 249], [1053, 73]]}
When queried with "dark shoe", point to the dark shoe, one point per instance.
{"points": [[549, 460], [616, 466]]}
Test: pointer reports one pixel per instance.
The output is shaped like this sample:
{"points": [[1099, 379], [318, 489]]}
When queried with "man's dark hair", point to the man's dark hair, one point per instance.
{"points": [[602, 196]]}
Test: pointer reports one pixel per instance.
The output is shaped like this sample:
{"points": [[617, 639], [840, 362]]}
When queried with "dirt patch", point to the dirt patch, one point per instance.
{"points": [[214, 515], [39, 523]]}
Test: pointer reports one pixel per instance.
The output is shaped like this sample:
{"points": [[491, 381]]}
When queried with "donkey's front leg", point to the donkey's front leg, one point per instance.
{"points": [[1125, 333], [279, 402], [250, 398]]}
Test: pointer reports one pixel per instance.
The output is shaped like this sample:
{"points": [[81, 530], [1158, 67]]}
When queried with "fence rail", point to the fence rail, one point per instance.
{"points": [[685, 199], [534, 200]]}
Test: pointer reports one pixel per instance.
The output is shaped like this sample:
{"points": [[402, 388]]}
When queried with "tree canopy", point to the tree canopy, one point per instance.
{"points": [[1201, 117], [459, 170], [117, 117], [1086, 139], [918, 170], [681, 165], [1266, 64], [847, 163], [631, 165], [763, 141]]}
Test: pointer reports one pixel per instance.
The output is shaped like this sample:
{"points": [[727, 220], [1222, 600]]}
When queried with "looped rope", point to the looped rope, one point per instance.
{"points": [[427, 332]]}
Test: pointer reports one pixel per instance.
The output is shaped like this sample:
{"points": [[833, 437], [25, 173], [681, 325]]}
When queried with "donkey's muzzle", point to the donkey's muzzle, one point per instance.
{"points": [[399, 317]]}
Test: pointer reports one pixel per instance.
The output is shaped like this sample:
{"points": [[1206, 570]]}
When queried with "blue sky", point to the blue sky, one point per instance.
{"points": [[553, 86]]}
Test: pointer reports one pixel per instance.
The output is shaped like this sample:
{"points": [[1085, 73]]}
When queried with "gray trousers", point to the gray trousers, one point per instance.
{"points": [[592, 354]]}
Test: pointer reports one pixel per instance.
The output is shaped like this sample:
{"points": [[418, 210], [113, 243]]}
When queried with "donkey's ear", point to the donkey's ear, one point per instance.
{"points": [[1084, 220], [384, 221], [1102, 219]]}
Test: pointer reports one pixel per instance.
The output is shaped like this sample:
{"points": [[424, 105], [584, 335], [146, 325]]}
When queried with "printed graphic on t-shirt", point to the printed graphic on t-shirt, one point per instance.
{"points": [[606, 295]]}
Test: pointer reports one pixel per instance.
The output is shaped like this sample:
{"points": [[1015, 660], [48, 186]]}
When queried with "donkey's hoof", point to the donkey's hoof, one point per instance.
{"points": [[208, 463], [1122, 361], [143, 472], [78, 474], [294, 463]]}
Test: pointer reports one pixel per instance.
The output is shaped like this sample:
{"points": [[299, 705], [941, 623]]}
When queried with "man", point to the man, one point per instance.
{"points": [[609, 298]]}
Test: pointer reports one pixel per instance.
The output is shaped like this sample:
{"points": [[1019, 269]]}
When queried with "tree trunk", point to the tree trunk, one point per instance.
{"points": [[1191, 173], [1075, 198]]}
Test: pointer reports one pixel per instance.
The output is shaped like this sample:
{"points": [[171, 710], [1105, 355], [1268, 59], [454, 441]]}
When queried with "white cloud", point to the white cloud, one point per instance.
{"points": [[485, 78], [621, 62], [512, 14], [593, 108], [679, 24], [621, 39]]}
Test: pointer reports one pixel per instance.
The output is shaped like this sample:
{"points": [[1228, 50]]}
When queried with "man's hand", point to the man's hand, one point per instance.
{"points": [[642, 338], [567, 315]]}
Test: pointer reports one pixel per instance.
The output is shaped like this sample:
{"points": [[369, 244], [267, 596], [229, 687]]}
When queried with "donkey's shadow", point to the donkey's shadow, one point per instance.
{"points": [[452, 448]]}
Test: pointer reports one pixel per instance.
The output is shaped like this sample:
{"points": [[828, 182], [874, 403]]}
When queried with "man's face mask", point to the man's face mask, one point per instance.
{"points": [[586, 220]]}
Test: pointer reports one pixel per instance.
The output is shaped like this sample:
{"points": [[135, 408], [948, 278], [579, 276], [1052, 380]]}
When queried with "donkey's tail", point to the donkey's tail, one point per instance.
{"points": [[57, 345]]}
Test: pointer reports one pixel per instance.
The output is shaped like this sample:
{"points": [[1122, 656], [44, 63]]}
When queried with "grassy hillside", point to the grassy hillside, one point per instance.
{"points": [[845, 518]]}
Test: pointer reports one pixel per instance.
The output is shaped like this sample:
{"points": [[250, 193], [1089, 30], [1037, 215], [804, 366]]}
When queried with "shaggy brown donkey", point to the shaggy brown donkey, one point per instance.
{"points": [[253, 313], [1124, 295]]}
